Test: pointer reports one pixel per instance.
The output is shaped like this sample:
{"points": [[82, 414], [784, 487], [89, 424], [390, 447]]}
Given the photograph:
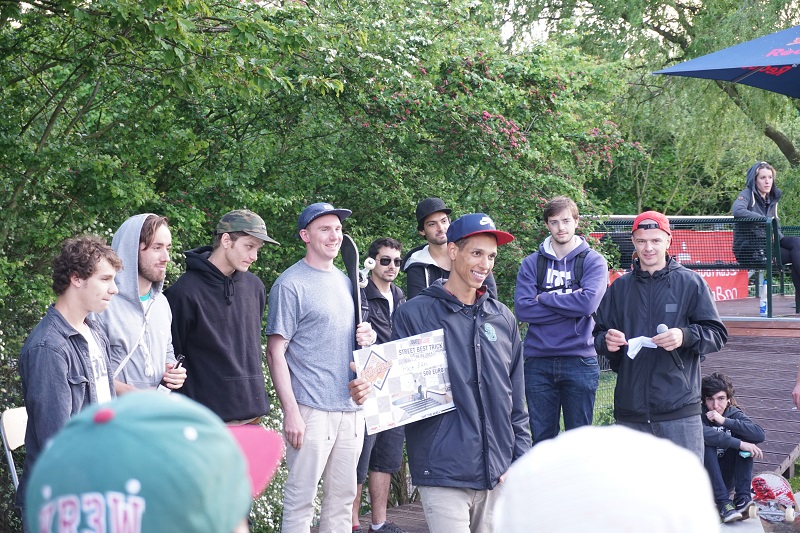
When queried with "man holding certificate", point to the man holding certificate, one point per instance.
{"points": [[458, 458]]}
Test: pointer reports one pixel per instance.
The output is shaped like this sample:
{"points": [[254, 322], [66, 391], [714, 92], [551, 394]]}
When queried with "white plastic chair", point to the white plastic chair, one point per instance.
{"points": [[13, 423]]}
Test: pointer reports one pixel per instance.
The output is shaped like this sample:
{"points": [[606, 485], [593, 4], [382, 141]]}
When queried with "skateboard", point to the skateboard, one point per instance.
{"points": [[773, 497], [358, 277]]}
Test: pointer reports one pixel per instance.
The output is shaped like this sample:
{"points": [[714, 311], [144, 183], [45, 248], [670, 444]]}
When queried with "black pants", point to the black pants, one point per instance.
{"points": [[790, 252]]}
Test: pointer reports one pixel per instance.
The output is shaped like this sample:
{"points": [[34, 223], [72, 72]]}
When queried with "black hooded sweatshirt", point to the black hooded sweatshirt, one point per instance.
{"points": [[216, 325]]}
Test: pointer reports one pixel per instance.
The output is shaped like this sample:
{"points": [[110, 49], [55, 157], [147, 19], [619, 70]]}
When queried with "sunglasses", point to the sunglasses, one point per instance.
{"points": [[386, 261]]}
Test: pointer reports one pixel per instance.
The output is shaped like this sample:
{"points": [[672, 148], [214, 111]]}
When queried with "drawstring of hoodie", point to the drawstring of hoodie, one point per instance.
{"points": [[230, 290]]}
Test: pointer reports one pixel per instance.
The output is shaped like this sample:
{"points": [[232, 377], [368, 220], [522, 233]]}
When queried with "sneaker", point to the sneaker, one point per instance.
{"points": [[389, 527], [728, 513], [744, 502], [743, 505]]}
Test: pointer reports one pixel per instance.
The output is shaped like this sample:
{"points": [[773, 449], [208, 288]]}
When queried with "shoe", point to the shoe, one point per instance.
{"points": [[388, 527], [743, 505], [728, 513]]}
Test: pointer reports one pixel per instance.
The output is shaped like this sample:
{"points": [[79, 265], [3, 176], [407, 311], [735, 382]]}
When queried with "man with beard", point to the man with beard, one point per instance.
{"points": [[382, 453], [137, 322], [426, 263], [558, 289]]}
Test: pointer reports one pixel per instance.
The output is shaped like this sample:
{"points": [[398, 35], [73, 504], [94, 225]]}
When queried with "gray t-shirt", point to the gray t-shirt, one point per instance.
{"points": [[313, 310]]}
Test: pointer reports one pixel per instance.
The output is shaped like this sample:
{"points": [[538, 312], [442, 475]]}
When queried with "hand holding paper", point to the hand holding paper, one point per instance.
{"points": [[637, 343]]}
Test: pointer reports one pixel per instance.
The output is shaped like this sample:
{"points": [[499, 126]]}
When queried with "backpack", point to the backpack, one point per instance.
{"points": [[541, 266]]}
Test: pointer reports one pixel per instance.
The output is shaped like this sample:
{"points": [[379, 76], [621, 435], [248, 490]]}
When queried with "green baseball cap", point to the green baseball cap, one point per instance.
{"points": [[246, 221], [150, 462]]}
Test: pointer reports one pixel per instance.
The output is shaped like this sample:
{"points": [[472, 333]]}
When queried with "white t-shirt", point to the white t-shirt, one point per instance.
{"points": [[388, 296], [99, 369]]}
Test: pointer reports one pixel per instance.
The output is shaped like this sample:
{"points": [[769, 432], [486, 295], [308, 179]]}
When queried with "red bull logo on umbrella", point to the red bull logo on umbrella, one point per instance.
{"points": [[778, 52], [772, 71]]}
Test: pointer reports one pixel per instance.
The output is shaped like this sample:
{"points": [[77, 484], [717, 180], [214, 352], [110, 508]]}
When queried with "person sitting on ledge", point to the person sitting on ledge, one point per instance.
{"points": [[730, 446], [760, 199]]}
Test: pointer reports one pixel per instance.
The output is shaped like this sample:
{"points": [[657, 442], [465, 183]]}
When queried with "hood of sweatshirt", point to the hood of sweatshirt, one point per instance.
{"points": [[774, 195], [560, 272], [420, 255], [437, 290], [546, 249], [126, 244]]}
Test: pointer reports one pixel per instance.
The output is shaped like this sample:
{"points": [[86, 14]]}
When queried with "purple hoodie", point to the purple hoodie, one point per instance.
{"points": [[560, 323]]}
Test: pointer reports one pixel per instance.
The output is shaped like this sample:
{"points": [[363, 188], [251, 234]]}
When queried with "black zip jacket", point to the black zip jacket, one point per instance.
{"points": [[652, 387], [378, 305], [474, 445]]}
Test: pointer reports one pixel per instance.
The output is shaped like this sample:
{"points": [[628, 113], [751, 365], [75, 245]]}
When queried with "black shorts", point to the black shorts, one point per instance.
{"points": [[382, 452]]}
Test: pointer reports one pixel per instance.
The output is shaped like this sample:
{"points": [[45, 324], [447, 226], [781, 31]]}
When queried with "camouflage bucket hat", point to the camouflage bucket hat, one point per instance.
{"points": [[246, 221]]}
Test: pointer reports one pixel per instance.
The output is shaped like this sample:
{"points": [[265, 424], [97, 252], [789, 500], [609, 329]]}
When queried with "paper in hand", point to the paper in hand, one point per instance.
{"points": [[636, 344]]}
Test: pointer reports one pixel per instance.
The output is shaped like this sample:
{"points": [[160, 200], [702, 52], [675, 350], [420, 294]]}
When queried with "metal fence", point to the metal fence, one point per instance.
{"points": [[604, 400]]}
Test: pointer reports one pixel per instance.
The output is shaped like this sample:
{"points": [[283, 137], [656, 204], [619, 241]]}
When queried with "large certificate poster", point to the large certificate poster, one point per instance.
{"points": [[409, 380]]}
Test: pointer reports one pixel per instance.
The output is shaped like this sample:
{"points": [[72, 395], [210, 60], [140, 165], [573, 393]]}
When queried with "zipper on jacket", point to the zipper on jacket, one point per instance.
{"points": [[649, 302], [482, 412]]}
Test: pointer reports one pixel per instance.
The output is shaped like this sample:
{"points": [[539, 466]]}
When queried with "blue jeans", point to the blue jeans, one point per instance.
{"points": [[553, 384], [685, 432], [731, 471]]}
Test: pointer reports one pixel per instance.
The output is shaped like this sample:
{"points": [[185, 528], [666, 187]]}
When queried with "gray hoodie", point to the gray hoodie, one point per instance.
{"points": [[124, 319], [749, 238]]}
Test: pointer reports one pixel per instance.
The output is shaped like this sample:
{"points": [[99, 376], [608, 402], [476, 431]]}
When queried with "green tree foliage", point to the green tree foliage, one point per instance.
{"points": [[698, 136], [190, 109]]}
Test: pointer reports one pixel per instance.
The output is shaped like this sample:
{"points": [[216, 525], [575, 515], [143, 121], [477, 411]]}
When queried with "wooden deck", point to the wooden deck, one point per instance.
{"points": [[782, 307], [763, 370], [409, 517], [761, 358]]}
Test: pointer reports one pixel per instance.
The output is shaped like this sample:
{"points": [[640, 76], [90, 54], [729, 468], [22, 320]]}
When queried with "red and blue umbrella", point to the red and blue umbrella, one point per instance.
{"points": [[770, 62]]}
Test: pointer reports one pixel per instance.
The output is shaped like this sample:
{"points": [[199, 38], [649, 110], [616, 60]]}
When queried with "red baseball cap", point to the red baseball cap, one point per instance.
{"points": [[652, 220]]}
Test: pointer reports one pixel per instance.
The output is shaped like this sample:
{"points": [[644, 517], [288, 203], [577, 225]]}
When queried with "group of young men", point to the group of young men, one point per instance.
{"points": [[202, 337]]}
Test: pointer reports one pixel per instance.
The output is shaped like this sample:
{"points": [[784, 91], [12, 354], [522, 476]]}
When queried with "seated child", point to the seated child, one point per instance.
{"points": [[728, 433]]}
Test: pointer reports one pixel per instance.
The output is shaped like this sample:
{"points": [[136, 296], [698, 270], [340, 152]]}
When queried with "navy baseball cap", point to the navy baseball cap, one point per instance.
{"points": [[315, 211], [473, 224]]}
